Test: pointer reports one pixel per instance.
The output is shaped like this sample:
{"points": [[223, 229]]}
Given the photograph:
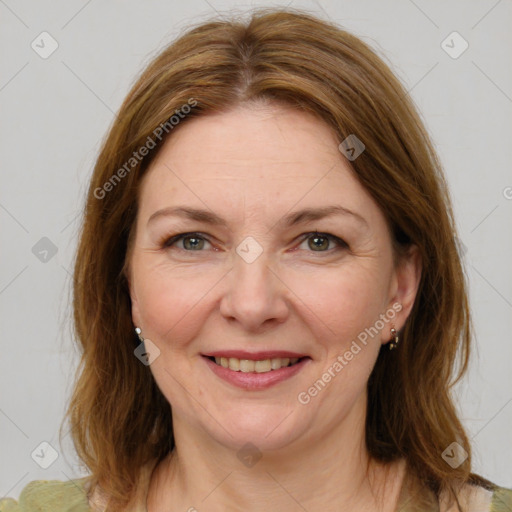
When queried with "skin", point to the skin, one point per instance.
{"points": [[252, 166]]}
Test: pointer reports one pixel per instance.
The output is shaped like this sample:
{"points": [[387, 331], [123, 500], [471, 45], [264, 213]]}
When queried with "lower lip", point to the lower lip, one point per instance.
{"points": [[253, 380]]}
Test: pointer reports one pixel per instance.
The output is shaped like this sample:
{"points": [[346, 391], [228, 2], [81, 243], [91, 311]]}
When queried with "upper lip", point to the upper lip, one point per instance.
{"points": [[254, 356]]}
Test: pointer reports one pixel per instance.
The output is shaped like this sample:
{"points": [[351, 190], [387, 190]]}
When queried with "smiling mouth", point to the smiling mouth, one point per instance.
{"points": [[258, 366]]}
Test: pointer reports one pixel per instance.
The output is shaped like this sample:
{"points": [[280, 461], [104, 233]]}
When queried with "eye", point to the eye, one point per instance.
{"points": [[320, 242], [195, 242], [190, 241]]}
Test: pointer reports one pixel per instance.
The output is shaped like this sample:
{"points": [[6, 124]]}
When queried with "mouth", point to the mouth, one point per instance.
{"points": [[257, 366], [255, 371]]}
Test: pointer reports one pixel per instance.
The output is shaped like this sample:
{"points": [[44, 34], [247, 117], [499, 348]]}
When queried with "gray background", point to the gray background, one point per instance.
{"points": [[55, 112]]}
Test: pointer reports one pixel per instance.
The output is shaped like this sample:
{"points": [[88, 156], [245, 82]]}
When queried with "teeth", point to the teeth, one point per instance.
{"points": [[275, 364], [234, 364], [261, 366], [246, 365]]}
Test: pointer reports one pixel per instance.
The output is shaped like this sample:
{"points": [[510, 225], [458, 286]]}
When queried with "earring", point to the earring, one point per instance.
{"points": [[394, 343], [139, 335]]}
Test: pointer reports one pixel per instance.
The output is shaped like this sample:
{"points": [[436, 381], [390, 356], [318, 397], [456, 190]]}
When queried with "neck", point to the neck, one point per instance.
{"points": [[331, 473]]}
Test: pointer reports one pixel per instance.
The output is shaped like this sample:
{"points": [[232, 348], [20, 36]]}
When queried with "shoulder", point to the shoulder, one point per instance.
{"points": [[501, 500], [50, 496], [481, 498]]}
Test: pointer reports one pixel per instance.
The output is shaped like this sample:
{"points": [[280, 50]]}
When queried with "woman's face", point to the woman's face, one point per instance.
{"points": [[252, 285]]}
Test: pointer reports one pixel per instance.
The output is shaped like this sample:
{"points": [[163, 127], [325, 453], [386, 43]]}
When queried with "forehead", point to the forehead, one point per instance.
{"points": [[254, 137], [260, 158]]}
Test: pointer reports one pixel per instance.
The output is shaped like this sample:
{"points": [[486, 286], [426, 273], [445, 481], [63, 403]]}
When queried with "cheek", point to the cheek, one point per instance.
{"points": [[346, 304], [171, 302], [343, 302]]}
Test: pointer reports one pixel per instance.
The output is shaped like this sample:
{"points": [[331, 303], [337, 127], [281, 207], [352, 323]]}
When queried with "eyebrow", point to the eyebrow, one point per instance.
{"points": [[291, 219]]}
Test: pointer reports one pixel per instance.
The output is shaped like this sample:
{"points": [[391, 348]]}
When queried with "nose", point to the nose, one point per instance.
{"points": [[255, 297]]}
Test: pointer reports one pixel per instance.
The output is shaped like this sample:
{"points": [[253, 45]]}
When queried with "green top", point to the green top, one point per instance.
{"points": [[50, 496], [71, 496]]}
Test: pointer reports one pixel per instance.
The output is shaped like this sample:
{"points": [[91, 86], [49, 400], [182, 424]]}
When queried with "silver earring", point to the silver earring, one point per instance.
{"points": [[138, 332], [394, 343]]}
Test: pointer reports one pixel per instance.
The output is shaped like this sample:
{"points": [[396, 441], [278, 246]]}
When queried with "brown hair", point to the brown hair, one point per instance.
{"points": [[119, 418]]}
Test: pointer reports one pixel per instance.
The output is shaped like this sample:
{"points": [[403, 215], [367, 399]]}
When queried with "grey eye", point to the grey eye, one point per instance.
{"points": [[193, 243]]}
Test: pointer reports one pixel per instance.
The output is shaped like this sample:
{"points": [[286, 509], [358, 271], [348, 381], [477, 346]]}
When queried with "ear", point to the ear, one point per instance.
{"points": [[404, 285]]}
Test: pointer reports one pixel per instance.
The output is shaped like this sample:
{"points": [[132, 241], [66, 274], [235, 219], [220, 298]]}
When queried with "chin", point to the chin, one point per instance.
{"points": [[266, 427]]}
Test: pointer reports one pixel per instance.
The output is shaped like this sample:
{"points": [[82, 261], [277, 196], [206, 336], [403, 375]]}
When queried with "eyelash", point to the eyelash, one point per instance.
{"points": [[169, 242]]}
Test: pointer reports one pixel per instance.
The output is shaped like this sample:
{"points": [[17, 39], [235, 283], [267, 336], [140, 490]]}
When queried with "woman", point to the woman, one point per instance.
{"points": [[267, 289]]}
